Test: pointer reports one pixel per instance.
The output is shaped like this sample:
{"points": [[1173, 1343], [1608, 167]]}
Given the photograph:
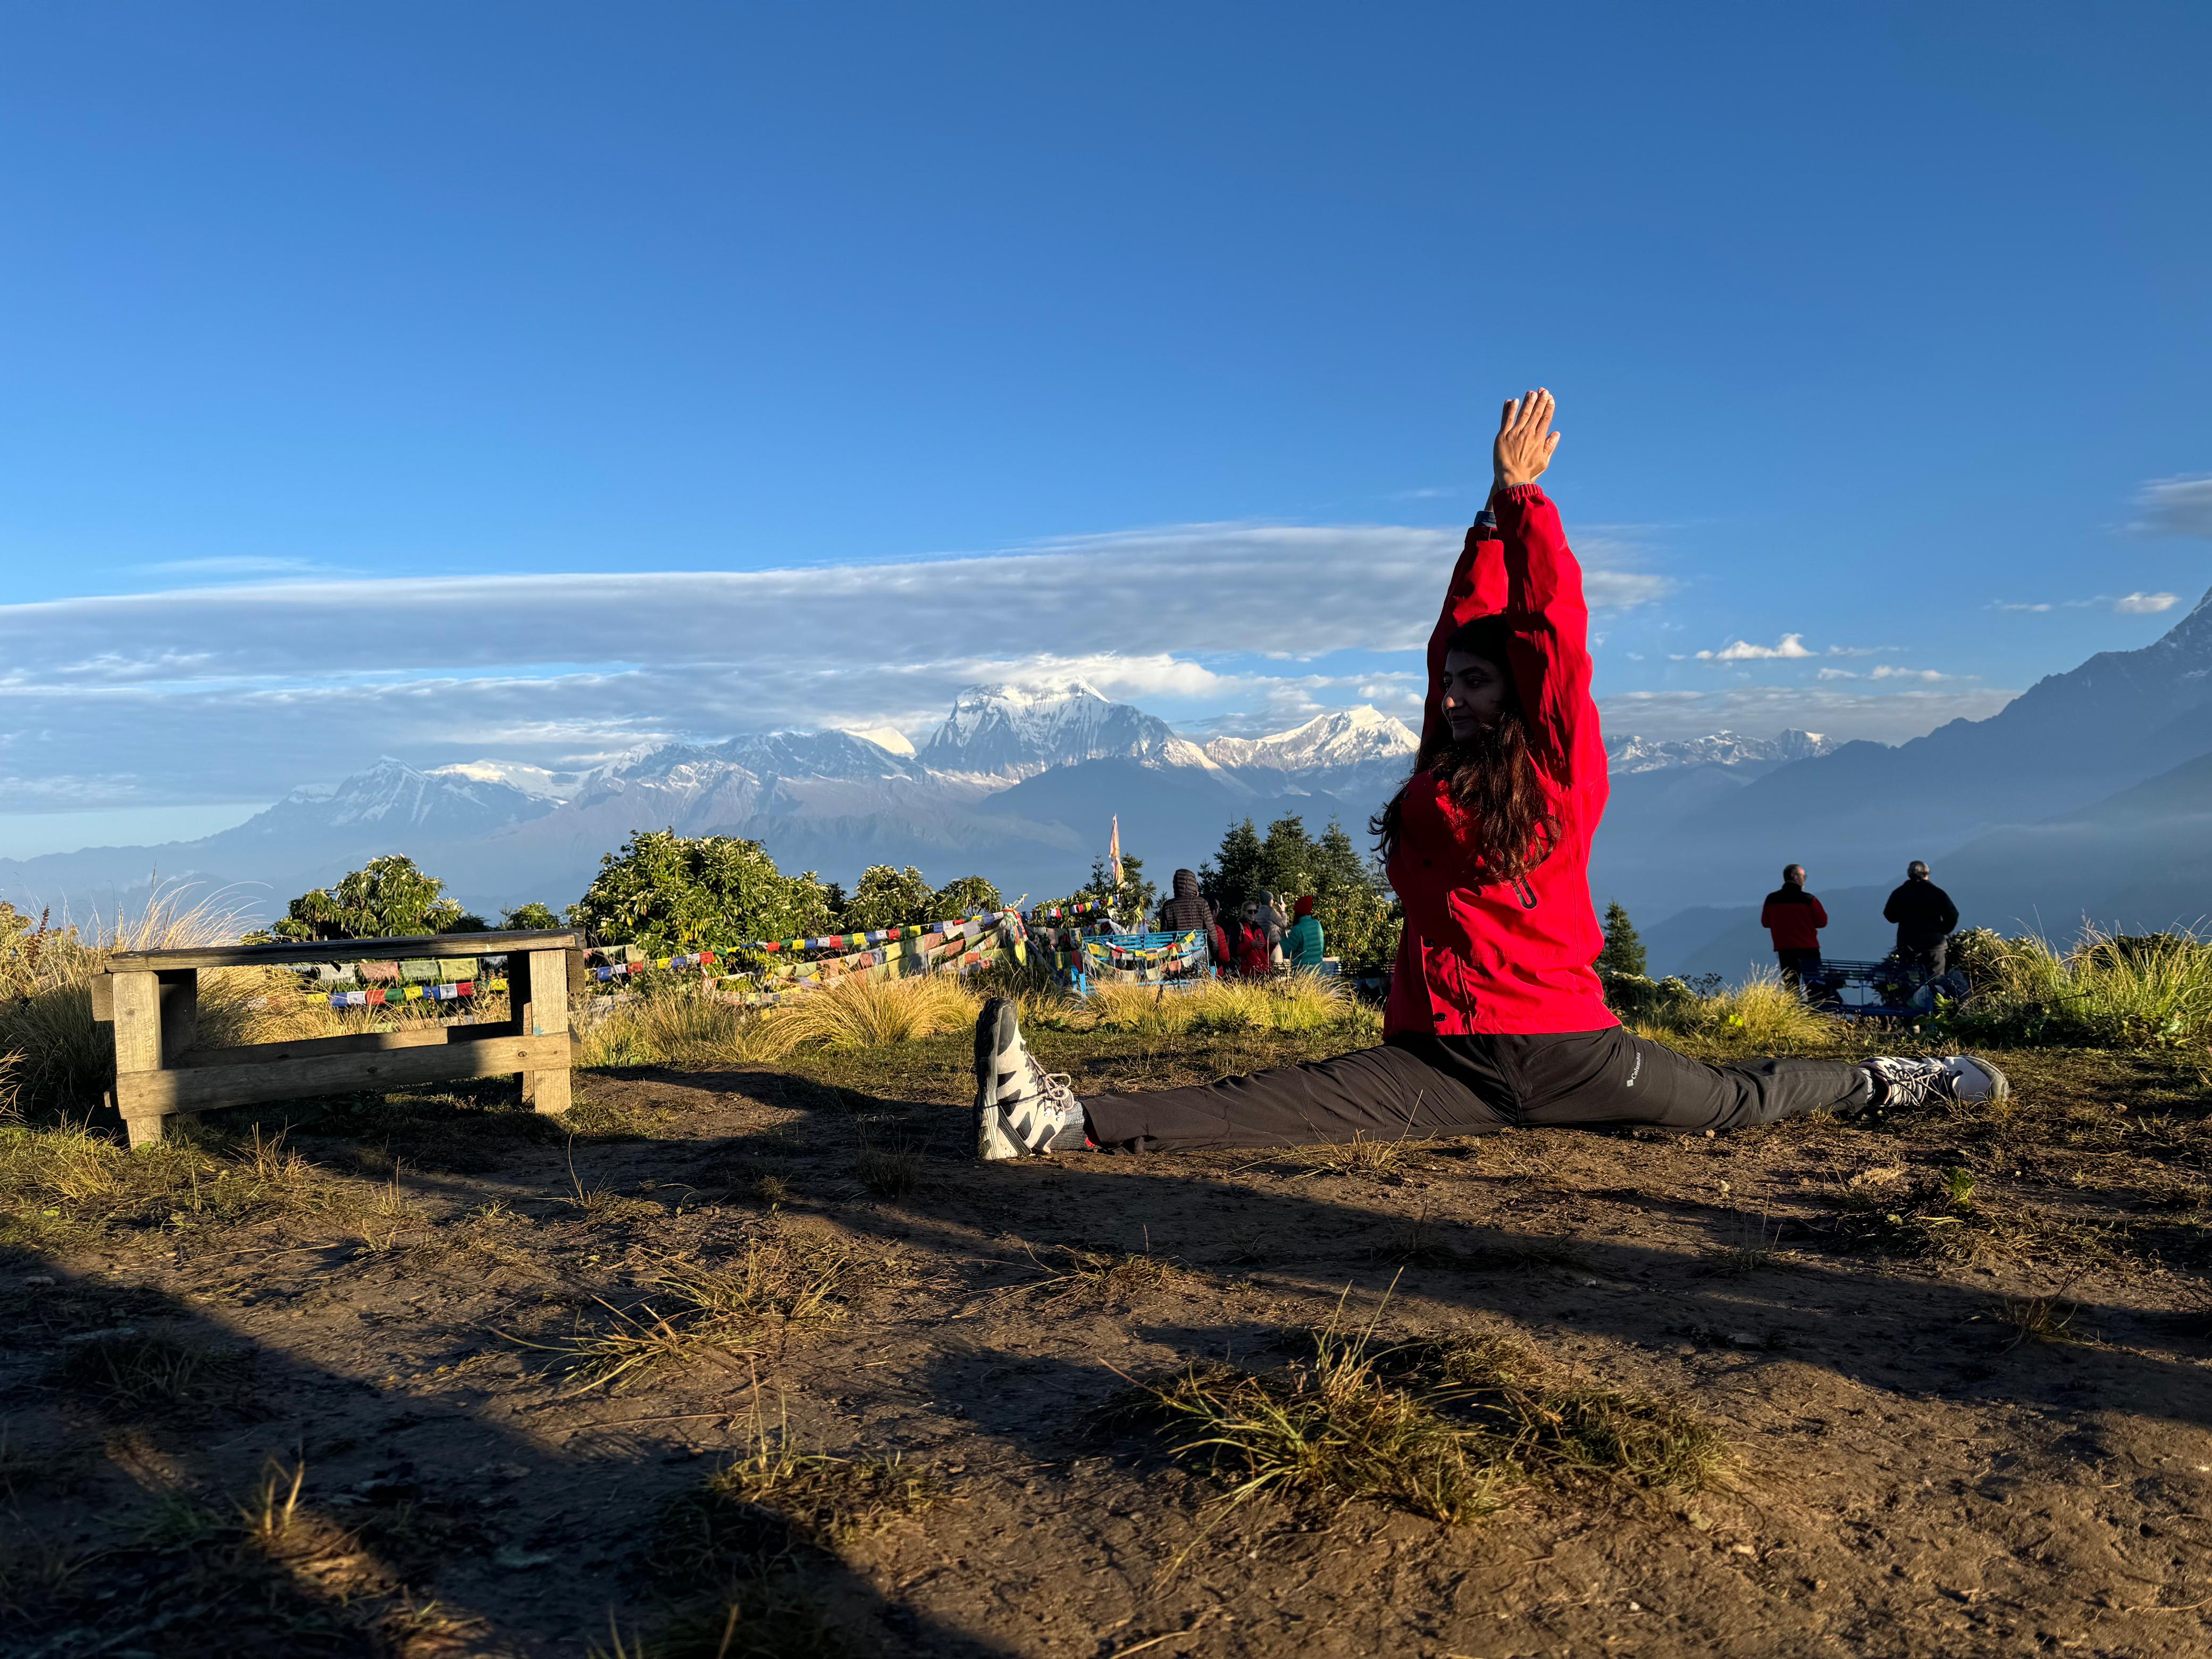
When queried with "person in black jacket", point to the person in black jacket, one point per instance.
{"points": [[1925, 916], [1185, 908]]}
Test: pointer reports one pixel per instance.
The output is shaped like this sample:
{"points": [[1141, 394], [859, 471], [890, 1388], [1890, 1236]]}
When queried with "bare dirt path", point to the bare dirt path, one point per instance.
{"points": [[1862, 1311]]}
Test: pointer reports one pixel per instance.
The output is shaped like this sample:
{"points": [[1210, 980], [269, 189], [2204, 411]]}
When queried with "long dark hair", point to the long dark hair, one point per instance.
{"points": [[1491, 777]]}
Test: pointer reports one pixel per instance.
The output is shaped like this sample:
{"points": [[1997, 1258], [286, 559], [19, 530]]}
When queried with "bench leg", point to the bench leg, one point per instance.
{"points": [[137, 1049], [546, 1014]]}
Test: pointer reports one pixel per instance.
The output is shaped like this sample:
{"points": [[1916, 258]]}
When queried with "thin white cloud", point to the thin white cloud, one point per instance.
{"points": [[1837, 674], [2125, 605], [2145, 605], [2175, 507], [236, 565], [1792, 645], [1891, 672], [1840, 711]]}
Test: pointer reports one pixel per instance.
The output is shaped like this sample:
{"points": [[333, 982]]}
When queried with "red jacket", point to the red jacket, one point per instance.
{"points": [[1480, 956], [1795, 917]]}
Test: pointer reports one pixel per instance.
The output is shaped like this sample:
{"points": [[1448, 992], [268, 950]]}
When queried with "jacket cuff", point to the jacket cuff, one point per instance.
{"points": [[1525, 495]]}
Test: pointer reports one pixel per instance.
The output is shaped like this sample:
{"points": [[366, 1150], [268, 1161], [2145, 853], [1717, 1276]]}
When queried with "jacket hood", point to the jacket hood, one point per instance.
{"points": [[1186, 884]]}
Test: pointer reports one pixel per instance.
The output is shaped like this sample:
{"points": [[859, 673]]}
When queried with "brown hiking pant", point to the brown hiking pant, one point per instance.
{"points": [[1439, 1086]]}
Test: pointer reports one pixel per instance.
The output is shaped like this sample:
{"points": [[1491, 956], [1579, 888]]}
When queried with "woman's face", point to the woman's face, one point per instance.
{"points": [[1474, 694]]}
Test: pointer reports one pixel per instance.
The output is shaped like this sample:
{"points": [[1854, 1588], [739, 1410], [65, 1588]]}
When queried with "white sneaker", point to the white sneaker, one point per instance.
{"points": [[1963, 1080], [1021, 1108]]}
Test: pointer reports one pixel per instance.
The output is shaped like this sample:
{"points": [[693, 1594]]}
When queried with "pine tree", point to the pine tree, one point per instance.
{"points": [[1231, 877], [1624, 950]]}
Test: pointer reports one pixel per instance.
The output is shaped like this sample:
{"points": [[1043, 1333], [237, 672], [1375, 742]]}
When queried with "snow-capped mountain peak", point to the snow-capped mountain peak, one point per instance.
{"points": [[515, 774], [1631, 753], [1340, 738], [888, 738], [1020, 731]]}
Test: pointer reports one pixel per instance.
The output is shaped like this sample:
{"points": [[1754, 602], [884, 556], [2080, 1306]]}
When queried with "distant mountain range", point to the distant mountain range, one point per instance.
{"points": [[1018, 784], [2089, 795]]}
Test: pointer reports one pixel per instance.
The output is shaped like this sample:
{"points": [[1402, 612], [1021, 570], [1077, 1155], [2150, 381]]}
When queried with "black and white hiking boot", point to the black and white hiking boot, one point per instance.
{"points": [[1021, 1108], [1962, 1080]]}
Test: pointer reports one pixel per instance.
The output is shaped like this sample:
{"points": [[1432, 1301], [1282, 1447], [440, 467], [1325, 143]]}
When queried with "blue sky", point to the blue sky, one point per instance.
{"points": [[355, 358]]}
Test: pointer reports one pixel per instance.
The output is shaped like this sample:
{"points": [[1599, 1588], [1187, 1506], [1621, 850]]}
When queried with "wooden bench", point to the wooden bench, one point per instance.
{"points": [[152, 999]]}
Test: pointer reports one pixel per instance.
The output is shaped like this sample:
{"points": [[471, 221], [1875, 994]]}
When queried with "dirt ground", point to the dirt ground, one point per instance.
{"points": [[1960, 1362]]}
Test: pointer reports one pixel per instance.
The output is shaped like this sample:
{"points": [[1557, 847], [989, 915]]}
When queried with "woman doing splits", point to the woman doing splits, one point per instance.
{"points": [[1495, 1015]]}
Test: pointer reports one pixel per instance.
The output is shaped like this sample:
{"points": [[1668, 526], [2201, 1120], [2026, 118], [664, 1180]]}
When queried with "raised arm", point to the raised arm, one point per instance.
{"points": [[1527, 574]]}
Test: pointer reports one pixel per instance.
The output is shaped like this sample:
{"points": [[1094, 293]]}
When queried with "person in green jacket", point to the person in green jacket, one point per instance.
{"points": [[1304, 945]]}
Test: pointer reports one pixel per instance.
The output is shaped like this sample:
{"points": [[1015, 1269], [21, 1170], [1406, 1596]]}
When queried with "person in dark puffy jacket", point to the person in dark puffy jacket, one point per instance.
{"points": [[1496, 1017], [1925, 916], [1185, 910], [1793, 919]]}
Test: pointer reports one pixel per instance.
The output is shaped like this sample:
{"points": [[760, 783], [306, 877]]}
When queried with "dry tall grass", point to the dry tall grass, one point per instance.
{"points": [[66, 1061], [2152, 992], [866, 1013], [1289, 1003], [679, 1025], [1762, 1016]]}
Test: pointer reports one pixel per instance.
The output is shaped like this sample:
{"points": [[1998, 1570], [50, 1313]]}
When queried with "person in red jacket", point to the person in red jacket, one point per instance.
{"points": [[1793, 918], [1495, 1014]]}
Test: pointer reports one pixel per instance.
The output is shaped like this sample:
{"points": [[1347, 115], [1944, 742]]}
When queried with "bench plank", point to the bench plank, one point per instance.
{"points": [[204, 1088], [349, 950]]}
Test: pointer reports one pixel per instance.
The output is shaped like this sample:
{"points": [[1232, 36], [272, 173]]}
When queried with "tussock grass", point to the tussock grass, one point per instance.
{"points": [[860, 1013], [1358, 1155], [1287, 1003], [892, 1171], [2039, 1319], [141, 1371], [675, 1025], [2108, 991], [64, 1062], [784, 1281], [1445, 1429], [1098, 1279], [1761, 1016]]}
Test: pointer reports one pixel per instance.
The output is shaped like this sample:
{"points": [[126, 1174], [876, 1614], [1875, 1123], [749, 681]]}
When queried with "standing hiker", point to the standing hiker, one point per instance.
{"points": [[1305, 944], [1925, 916], [1793, 919], [1251, 947], [1496, 1016], [1185, 910]]}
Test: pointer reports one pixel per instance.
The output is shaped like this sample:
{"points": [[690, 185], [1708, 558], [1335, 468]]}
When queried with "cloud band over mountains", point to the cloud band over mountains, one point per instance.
{"points": [[231, 691]]}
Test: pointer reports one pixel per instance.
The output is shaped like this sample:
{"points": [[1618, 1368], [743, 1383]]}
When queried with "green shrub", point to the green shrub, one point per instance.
{"points": [[386, 898], [666, 892], [888, 897], [969, 896]]}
